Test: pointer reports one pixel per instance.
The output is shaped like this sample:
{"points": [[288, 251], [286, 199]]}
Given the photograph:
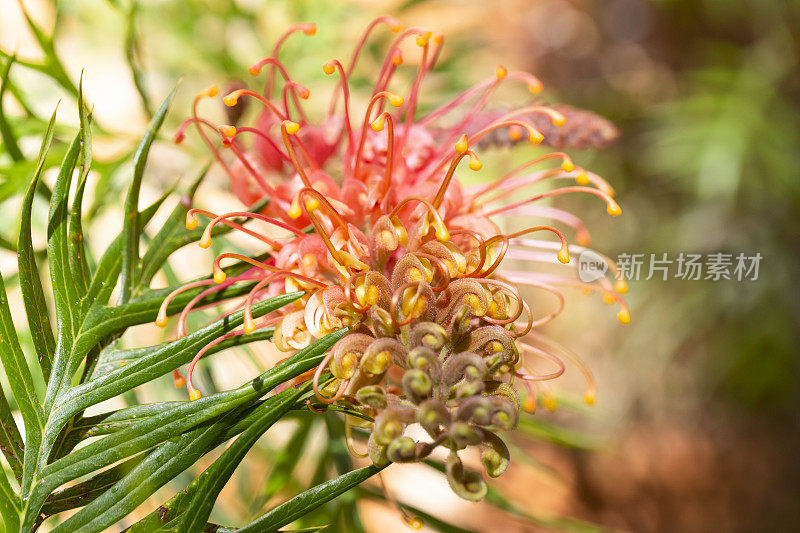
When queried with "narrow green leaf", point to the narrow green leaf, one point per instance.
{"points": [[78, 261], [131, 228], [9, 504], [214, 478], [171, 422], [284, 463], [132, 54], [9, 139], [65, 293], [302, 504], [10, 440], [21, 382], [29, 280]]}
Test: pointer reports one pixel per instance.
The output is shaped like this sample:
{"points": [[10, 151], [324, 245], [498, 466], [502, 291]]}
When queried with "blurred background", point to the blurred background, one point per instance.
{"points": [[696, 425]]}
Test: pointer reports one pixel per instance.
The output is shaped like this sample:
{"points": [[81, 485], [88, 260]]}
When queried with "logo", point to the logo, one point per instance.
{"points": [[591, 266]]}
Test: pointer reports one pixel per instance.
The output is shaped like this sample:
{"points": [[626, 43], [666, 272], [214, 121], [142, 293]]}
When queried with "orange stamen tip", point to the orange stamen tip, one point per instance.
{"points": [[230, 100], [249, 326], [422, 41], [536, 137], [291, 127], [397, 57], [209, 92], [474, 162], [462, 145], [582, 178], [500, 71], [414, 522], [438, 38], [624, 317], [161, 320], [295, 211], [179, 137], [550, 403], [583, 239], [515, 133], [310, 28], [179, 382], [535, 88], [254, 70], [328, 68], [529, 405], [567, 166], [396, 27], [563, 255], [228, 131], [608, 298], [194, 394], [204, 242], [377, 124], [614, 209], [589, 398], [621, 286], [219, 275], [394, 100], [191, 222]]}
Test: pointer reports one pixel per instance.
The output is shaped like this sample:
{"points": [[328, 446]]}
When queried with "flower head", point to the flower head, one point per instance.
{"points": [[367, 215]]}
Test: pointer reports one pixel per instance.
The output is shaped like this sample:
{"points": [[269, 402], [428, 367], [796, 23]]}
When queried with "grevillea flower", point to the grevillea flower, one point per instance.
{"points": [[367, 216]]}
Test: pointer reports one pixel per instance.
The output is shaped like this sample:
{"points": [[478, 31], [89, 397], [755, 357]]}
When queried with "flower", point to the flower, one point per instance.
{"points": [[400, 252]]}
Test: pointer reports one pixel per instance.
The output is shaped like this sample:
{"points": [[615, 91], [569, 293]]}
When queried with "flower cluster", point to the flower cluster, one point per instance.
{"points": [[368, 218]]}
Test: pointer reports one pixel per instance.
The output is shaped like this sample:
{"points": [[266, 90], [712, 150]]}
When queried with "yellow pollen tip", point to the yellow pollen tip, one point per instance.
{"points": [[529, 405], [397, 59], [500, 71], [589, 398], [396, 27], [438, 38], [583, 238], [563, 255], [377, 124], [582, 178], [567, 166], [191, 222], [228, 131], [312, 204], [394, 100], [608, 298], [621, 286], [442, 234], [474, 162], [230, 100], [219, 275], [295, 211], [254, 70], [624, 316], [535, 88], [327, 68], [414, 522], [291, 127], [422, 41], [536, 137], [204, 242], [194, 394], [550, 403], [310, 29], [515, 133], [462, 145], [179, 382], [161, 320], [614, 209], [249, 326], [209, 92], [559, 119]]}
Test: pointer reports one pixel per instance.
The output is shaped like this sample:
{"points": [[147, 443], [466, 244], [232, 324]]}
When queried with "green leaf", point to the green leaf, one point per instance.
{"points": [[29, 279], [9, 139], [21, 382], [302, 504], [9, 504], [165, 425], [131, 228], [78, 261], [284, 463], [208, 486], [10, 440]]}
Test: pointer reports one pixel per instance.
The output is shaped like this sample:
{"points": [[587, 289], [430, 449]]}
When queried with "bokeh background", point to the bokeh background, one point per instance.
{"points": [[696, 426]]}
